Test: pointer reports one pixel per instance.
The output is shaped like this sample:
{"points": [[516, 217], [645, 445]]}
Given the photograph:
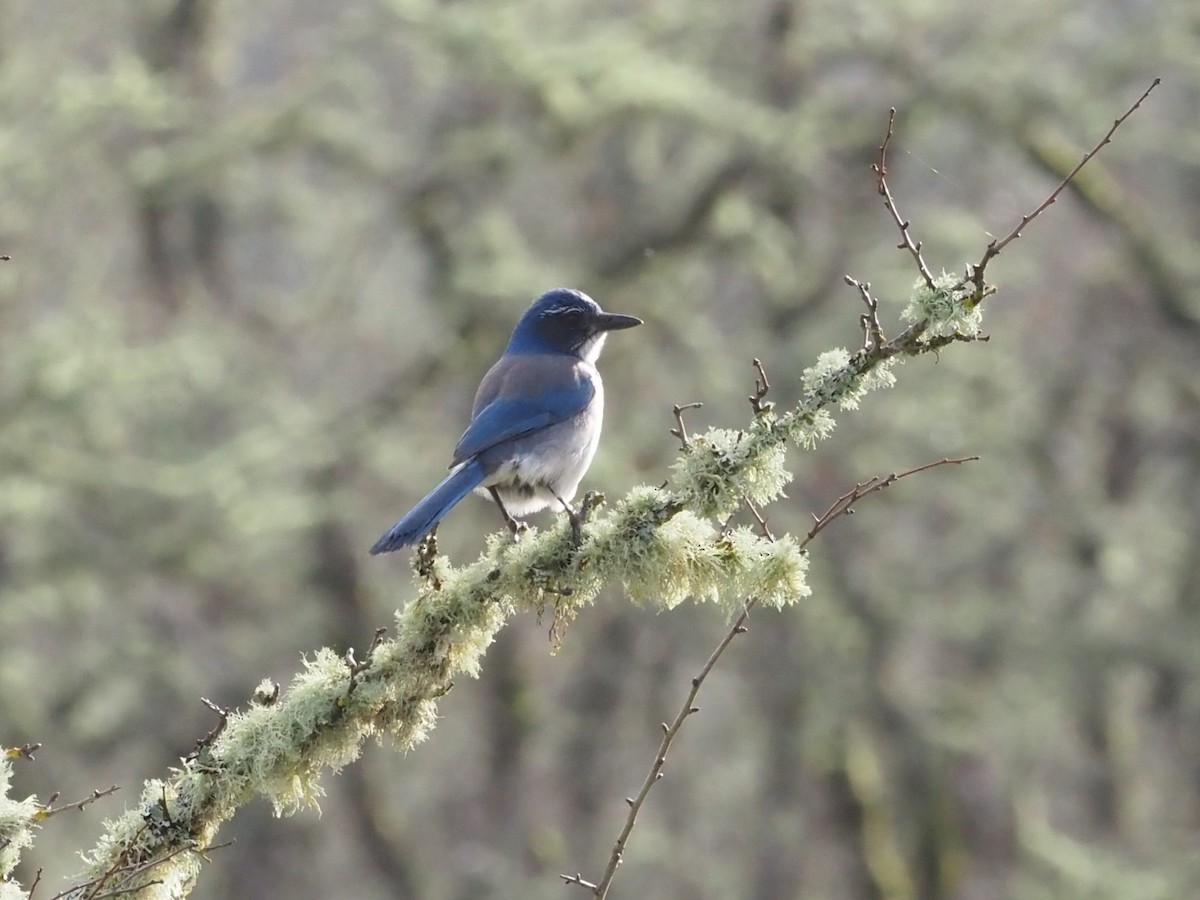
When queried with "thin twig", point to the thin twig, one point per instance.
{"points": [[761, 388], [211, 847], [205, 742], [355, 666], [660, 759], [759, 519], [872, 328], [51, 810], [679, 430], [579, 880], [994, 248], [880, 170], [844, 505]]}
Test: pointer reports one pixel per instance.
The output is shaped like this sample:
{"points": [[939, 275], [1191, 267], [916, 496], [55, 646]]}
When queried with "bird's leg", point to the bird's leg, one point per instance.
{"points": [[512, 524], [576, 522]]}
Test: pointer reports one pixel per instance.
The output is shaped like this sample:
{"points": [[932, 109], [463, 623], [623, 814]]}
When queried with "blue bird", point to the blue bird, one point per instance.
{"points": [[536, 419]]}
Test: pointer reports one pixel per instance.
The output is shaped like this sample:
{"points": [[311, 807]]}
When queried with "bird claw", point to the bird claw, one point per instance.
{"points": [[576, 521]]}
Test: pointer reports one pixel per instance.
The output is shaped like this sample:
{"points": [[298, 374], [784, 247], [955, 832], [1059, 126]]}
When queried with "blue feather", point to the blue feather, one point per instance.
{"points": [[418, 521], [535, 422]]}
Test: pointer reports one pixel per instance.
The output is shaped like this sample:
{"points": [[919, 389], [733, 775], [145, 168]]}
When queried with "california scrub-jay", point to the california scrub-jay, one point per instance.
{"points": [[536, 419]]}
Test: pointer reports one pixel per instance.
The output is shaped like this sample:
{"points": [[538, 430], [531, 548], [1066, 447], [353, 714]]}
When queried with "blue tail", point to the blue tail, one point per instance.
{"points": [[418, 521]]}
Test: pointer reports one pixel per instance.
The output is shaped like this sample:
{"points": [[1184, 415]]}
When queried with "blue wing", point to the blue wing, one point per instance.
{"points": [[521, 395]]}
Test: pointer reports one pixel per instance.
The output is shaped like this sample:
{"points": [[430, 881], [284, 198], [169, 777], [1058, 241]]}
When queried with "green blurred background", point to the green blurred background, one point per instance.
{"points": [[263, 252]]}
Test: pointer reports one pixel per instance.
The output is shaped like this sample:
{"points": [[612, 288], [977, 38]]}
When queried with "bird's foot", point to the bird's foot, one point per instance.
{"points": [[592, 501], [576, 528], [515, 528], [575, 520]]}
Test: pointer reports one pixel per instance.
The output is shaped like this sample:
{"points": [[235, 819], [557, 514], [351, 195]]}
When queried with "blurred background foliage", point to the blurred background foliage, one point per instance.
{"points": [[262, 253]]}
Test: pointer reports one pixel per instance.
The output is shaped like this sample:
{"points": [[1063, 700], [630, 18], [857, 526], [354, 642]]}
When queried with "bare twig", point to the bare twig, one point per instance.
{"points": [[679, 430], [872, 328], [204, 851], [844, 505], [205, 742], [880, 170], [355, 666], [660, 759], [761, 387], [51, 810], [579, 880], [759, 519], [727, 524], [975, 274]]}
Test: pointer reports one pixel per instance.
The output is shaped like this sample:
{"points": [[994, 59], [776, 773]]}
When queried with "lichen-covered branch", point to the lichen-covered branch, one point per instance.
{"points": [[660, 545]]}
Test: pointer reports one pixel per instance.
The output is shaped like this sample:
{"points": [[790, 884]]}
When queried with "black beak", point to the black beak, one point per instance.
{"points": [[615, 322]]}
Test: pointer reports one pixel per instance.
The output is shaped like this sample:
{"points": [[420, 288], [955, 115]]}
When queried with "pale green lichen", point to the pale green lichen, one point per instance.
{"points": [[879, 378], [18, 819], [125, 853], [829, 368], [946, 308], [771, 571], [834, 378], [666, 564], [662, 556], [687, 559], [807, 428], [721, 468]]}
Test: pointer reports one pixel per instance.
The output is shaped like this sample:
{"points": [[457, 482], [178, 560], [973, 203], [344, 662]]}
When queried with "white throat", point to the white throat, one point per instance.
{"points": [[591, 350]]}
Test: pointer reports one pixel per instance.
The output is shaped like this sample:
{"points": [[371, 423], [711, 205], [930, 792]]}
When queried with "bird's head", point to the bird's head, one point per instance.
{"points": [[568, 322]]}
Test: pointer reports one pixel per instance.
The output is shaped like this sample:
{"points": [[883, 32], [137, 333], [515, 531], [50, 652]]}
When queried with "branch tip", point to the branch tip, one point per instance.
{"points": [[994, 248]]}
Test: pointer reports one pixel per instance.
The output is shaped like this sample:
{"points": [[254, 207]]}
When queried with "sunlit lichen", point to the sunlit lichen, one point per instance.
{"points": [[944, 307]]}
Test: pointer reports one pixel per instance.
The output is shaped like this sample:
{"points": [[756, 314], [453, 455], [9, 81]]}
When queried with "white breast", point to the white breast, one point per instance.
{"points": [[552, 461]]}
